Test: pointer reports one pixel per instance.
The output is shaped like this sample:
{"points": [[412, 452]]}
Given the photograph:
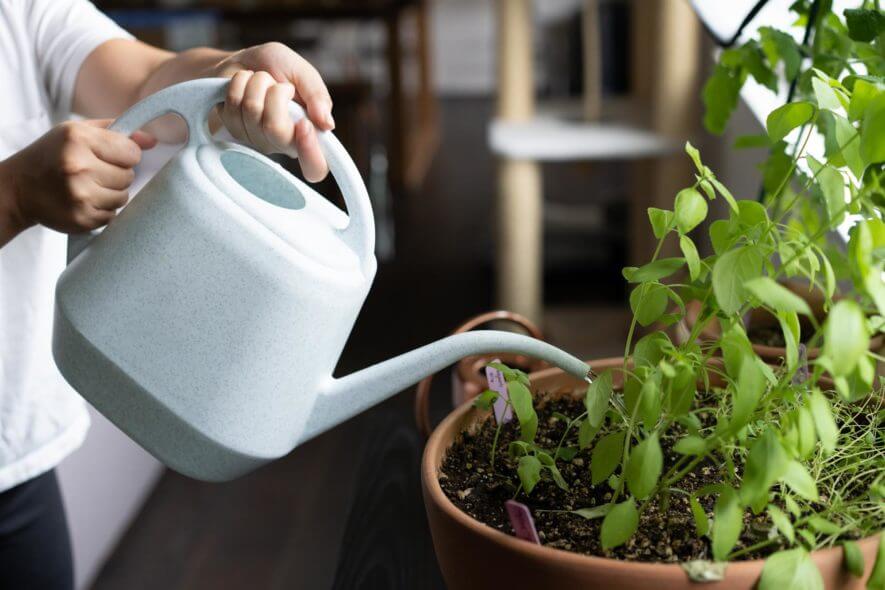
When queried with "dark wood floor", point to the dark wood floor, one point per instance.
{"points": [[345, 510]]}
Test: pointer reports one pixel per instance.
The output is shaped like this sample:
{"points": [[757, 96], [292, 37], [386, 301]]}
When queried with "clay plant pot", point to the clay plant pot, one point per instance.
{"points": [[468, 376], [474, 555], [761, 318]]}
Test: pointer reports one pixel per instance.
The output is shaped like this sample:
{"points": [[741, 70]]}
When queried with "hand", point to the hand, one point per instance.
{"points": [[73, 178], [263, 81]]}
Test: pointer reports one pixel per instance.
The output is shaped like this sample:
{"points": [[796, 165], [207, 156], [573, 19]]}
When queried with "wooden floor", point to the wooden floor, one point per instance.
{"points": [[345, 510]]}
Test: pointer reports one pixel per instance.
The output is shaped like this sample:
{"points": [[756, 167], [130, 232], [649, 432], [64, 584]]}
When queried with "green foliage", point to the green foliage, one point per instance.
{"points": [[790, 570], [619, 524], [801, 443], [784, 119], [727, 523]]}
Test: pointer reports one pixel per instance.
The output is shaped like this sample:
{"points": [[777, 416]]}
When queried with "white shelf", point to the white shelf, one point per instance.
{"points": [[552, 139]]}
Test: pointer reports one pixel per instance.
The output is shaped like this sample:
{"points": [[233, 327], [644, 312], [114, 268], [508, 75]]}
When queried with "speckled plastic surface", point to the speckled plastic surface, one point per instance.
{"points": [[206, 322]]}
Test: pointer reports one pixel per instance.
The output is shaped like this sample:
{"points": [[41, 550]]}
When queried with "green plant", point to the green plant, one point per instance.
{"points": [[808, 457]]}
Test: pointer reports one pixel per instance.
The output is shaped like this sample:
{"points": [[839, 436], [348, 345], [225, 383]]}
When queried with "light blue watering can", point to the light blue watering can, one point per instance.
{"points": [[205, 321]]}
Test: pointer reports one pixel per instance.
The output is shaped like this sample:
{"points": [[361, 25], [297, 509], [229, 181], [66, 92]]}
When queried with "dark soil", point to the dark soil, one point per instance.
{"points": [[665, 534], [773, 336]]}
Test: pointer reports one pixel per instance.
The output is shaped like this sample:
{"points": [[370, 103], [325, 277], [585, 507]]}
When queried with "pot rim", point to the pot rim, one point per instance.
{"points": [[434, 493]]}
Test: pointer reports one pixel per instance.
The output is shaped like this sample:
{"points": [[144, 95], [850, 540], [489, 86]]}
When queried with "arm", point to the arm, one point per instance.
{"points": [[264, 79], [77, 175]]}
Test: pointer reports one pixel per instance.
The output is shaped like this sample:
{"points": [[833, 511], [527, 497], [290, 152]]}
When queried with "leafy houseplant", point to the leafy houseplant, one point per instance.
{"points": [[765, 461]]}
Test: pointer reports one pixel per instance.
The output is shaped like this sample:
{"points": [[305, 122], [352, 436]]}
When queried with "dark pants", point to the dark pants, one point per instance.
{"points": [[35, 548]]}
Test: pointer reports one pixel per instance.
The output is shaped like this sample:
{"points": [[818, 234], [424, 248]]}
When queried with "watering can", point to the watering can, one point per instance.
{"points": [[207, 319]]}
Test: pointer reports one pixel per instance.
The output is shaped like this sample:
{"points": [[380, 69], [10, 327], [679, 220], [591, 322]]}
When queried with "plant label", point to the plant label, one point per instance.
{"points": [[522, 522], [503, 411]]}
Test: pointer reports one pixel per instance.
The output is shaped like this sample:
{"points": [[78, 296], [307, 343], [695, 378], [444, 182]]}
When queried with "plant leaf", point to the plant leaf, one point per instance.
{"points": [[690, 445], [877, 577], [648, 302], [619, 524], [826, 97], [644, 467], [597, 398], [521, 400], [690, 252], [824, 423], [864, 24], [872, 142], [731, 272], [777, 296], [586, 434], [594, 512], [766, 463], [845, 337], [606, 456], [485, 400], [529, 471], [691, 209], [720, 97], [823, 526], [654, 271], [853, 558], [727, 523], [785, 118], [790, 570], [661, 221], [782, 522], [749, 390], [701, 520], [726, 194], [800, 481]]}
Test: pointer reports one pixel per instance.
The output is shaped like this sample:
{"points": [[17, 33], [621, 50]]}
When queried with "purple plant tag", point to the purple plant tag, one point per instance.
{"points": [[503, 412], [522, 522]]}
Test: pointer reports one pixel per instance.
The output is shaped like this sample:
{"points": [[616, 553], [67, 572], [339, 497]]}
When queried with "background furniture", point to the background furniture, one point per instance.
{"points": [[411, 108], [665, 42]]}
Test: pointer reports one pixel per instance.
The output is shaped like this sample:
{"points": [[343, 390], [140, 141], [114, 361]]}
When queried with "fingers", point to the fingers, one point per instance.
{"points": [[231, 113], [144, 140], [114, 148], [276, 123], [111, 176], [253, 109], [312, 92], [313, 164]]}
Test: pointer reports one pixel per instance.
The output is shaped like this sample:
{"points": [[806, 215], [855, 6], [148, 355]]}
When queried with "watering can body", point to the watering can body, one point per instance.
{"points": [[207, 319]]}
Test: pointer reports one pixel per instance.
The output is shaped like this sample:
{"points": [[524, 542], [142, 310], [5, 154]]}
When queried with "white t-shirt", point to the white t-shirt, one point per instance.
{"points": [[42, 46]]}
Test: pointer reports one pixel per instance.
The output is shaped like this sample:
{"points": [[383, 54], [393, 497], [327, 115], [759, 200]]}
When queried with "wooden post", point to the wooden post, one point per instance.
{"points": [[395, 105], [520, 208], [592, 60], [666, 72]]}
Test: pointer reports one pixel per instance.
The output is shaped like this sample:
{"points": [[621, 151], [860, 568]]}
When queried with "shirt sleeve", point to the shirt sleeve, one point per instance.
{"points": [[64, 33]]}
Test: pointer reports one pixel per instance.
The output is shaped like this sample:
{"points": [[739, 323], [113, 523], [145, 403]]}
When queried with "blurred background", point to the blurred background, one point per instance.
{"points": [[511, 149]]}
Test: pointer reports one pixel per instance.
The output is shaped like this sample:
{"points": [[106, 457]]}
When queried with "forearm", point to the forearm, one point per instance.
{"points": [[105, 88], [187, 65], [11, 221]]}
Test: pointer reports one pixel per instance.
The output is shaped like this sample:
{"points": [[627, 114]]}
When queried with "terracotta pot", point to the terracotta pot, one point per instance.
{"points": [[468, 376], [760, 317], [474, 555]]}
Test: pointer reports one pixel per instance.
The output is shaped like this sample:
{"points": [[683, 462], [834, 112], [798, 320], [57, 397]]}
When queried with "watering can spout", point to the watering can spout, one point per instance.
{"points": [[346, 397]]}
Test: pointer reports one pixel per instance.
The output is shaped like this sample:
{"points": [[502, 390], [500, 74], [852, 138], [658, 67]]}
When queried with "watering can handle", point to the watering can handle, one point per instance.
{"points": [[193, 100]]}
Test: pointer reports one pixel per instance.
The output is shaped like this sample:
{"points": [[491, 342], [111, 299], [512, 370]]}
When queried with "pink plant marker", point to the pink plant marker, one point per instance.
{"points": [[522, 522], [498, 383]]}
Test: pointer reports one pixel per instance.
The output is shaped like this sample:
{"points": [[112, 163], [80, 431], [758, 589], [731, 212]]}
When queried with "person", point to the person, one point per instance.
{"points": [[58, 176]]}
